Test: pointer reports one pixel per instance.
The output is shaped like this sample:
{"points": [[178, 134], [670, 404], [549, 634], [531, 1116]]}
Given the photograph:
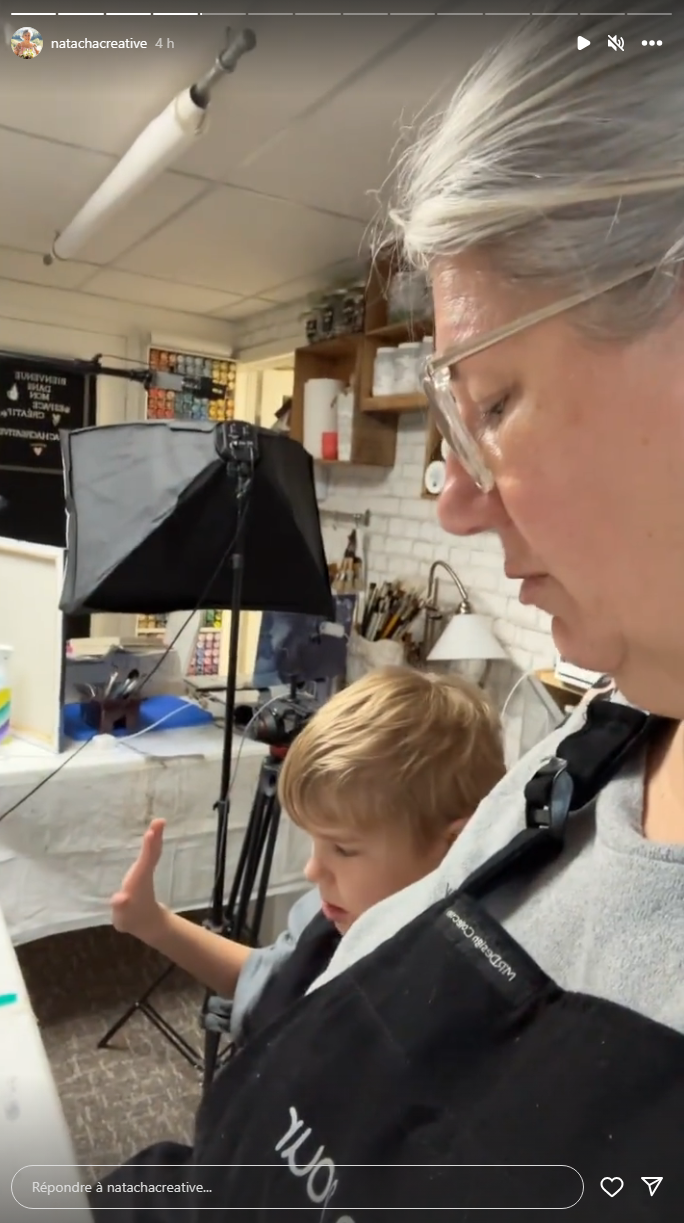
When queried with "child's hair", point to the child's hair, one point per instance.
{"points": [[398, 747]]}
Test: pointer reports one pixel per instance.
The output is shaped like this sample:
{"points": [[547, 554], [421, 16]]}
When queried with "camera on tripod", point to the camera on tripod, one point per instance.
{"points": [[278, 724]]}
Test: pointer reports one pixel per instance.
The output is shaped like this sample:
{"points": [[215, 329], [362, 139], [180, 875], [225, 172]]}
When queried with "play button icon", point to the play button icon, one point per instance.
{"points": [[582, 43]]}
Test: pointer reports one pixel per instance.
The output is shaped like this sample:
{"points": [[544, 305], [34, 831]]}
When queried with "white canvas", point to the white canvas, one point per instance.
{"points": [[32, 624]]}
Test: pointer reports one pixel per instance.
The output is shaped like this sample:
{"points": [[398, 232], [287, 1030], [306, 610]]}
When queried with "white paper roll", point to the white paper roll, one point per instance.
{"points": [[320, 414]]}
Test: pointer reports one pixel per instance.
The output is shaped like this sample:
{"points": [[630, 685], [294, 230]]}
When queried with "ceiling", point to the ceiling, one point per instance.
{"points": [[274, 203]]}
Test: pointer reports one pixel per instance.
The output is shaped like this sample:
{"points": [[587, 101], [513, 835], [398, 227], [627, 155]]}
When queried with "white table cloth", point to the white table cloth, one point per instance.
{"points": [[65, 850]]}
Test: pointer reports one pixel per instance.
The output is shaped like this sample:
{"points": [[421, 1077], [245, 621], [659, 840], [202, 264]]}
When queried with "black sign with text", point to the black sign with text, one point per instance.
{"points": [[37, 400]]}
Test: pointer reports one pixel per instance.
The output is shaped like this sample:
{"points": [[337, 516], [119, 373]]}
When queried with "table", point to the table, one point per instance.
{"points": [[34, 1139], [65, 850], [563, 693]]}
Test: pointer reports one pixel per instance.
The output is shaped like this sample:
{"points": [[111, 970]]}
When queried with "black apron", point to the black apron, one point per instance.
{"points": [[309, 958], [446, 1072]]}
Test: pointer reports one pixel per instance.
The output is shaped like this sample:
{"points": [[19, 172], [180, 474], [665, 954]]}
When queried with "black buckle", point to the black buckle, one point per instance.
{"points": [[549, 797]]}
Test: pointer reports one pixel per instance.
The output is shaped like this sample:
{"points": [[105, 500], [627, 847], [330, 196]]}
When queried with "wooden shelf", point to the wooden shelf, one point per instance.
{"points": [[336, 347], [400, 333], [393, 403], [374, 438], [350, 359]]}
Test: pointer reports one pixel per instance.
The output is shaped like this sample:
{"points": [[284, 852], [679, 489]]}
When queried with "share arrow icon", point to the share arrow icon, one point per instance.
{"points": [[652, 1183]]}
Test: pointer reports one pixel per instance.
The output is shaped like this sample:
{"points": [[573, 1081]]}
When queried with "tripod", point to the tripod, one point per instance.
{"points": [[256, 860], [256, 854]]}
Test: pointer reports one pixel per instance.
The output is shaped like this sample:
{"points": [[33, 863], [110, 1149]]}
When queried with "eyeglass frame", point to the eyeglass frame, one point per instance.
{"points": [[437, 374]]}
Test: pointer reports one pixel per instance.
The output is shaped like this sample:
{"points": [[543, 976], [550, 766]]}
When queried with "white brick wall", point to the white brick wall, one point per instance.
{"points": [[404, 536]]}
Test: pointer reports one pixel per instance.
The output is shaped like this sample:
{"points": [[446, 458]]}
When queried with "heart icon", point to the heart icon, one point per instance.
{"points": [[612, 1185]]}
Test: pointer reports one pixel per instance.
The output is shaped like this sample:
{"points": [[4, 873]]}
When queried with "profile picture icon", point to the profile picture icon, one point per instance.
{"points": [[26, 43]]}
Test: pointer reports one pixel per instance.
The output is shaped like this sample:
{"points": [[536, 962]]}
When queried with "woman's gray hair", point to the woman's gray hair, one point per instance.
{"points": [[564, 168]]}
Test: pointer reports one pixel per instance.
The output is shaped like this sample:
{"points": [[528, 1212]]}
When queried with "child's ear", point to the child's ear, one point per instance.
{"points": [[455, 829]]}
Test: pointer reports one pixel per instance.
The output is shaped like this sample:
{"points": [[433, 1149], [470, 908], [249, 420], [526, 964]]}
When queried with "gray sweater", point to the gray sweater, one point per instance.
{"points": [[606, 918]]}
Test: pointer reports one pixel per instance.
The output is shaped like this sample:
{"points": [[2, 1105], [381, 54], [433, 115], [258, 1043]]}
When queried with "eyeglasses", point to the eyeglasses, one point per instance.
{"points": [[439, 375]]}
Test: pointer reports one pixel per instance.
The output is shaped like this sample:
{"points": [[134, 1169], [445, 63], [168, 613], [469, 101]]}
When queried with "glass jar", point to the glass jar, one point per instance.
{"points": [[383, 371], [326, 326], [313, 323], [407, 368], [337, 300], [353, 309]]}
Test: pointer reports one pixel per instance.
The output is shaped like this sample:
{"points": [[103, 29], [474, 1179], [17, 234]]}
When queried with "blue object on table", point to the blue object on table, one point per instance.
{"points": [[176, 713]]}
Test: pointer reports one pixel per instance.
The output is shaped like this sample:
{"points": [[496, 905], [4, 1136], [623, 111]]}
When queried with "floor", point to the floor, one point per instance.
{"points": [[138, 1090]]}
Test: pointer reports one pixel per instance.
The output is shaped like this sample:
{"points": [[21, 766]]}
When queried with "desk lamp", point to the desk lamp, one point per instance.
{"points": [[467, 635]]}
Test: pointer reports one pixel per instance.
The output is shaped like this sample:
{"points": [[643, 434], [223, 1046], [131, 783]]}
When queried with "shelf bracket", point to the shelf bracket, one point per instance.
{"points": [[347, 516]]}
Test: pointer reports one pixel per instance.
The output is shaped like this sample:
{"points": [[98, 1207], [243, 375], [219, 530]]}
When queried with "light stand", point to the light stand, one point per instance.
{"points": [[237, 447], [274, 558]]}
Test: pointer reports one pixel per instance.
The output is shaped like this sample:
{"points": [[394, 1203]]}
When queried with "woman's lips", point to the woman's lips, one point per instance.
{"points": [[531, 588]]}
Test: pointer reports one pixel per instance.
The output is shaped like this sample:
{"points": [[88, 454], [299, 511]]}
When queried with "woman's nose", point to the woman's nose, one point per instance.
{"points": [[462, 508]]}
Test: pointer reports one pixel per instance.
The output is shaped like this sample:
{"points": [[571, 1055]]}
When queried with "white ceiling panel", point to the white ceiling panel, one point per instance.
{"points": [[29, 268], [367, 122], [294, 65], [143, 214], [101, 99], [31, 214], [147, 291], [46, 186], [243, 242], [271, 206], [244, 308]]}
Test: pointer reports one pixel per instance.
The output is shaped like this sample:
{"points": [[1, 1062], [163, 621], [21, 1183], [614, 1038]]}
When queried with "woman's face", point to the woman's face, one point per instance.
{"points": [[587, 450]]}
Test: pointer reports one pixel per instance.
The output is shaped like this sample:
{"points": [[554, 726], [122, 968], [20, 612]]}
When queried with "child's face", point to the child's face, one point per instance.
{"points": [[354, 871]]}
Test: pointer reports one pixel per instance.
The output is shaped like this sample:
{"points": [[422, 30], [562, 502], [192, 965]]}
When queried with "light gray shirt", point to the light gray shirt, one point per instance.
{"points": [[605, 918], [265, 961]]}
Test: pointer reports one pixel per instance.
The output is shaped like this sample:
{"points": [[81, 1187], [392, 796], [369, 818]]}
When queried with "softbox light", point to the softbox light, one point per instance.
{"points": [[152, 511]]}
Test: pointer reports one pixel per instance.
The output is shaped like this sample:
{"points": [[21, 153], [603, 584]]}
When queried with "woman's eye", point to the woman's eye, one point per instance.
{"points": [[495, 412], [345, 853]]}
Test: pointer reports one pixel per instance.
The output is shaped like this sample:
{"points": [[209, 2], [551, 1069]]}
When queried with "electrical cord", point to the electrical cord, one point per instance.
{"points": [[514, 689], [148, 677]]}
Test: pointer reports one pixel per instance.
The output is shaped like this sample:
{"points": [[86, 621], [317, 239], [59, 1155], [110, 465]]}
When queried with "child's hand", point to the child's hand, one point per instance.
{"points": [[135, 909]]}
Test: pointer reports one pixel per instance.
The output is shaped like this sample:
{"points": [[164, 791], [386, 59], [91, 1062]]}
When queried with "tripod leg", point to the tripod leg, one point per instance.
{"points": [[269, 851], [268, 838], [247, 848], [143, 1006], [135, 1006], [242, 889], [269, 789]]}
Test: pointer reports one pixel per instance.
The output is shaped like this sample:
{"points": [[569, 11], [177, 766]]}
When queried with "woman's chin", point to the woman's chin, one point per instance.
{"points": [[585, 649]]}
